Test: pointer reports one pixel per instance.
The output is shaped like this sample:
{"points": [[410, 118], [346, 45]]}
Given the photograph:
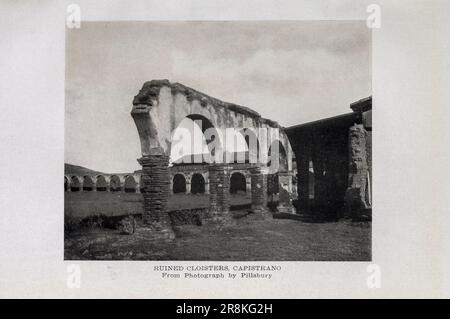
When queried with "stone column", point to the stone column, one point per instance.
{"points": [[355, 196], [188, 186], [248, 183], [259, 191], [155, 182], [284, 197], [171, 184], [206, 186], [219, 193], [303, 182]]}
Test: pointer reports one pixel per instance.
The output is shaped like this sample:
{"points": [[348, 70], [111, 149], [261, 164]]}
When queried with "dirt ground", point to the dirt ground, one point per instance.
{"points": [[247, 239]]}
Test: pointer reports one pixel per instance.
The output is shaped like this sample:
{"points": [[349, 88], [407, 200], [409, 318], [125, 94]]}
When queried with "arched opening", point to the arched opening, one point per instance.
{"points": [[75, 184], [179, 184], [273, 188], [273, 184], [101, 183], [66, 184], [197, 184], [141, 184], [311, 181], [252, 142], [236, 146], [195, 140], [277, 158], [130, 184], [238, 183], [88, 183], [114, 184]]}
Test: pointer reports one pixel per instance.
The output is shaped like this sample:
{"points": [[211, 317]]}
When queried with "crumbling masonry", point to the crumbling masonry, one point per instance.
{"points": [[158, 109], [333, 160], [334, 163]]}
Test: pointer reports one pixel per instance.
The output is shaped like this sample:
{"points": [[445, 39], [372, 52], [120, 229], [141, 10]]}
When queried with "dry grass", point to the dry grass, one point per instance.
{"points": [[247, 239], [83, 204], [274, 240]]}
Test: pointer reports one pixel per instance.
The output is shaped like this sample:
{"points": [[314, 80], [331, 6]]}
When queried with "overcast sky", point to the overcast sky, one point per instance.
{"points": [[291, 72]]}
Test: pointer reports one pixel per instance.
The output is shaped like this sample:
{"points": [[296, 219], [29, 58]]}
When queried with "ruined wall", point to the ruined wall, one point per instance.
{"points": [[369, 167], [326, 147], [160, 107], [359, 170]]}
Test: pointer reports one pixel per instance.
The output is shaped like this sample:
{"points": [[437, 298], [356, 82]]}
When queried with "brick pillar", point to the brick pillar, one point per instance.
{"points": [[303, 182], [171, 184], [284, 197], [155, 182], [188, 186], [207, 187], [219, 193], [355, 196], [259, 191], [248, 183]]}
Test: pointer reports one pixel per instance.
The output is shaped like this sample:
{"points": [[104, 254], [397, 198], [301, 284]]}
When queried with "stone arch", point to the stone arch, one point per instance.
{"points": [[157, 109], [197, 184], [88, 183], [101, 183], [238, 183], [179, 183], [75, 184], [253, 148], [160, 107], [211, 135], [311, 180], [130, 184], [277, 158], [114, 184], [66, 184], [279, 164]]}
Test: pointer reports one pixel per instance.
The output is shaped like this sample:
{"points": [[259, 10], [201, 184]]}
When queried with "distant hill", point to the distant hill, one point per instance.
{"points": [[79, 170]]}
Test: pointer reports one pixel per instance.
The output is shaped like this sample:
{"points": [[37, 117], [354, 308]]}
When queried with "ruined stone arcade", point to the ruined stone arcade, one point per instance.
{"points": [[158, 109], [329, 165]]}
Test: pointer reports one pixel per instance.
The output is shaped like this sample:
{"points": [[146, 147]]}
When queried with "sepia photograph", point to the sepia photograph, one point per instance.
{"points": [[218, 141], [219, 156]]}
